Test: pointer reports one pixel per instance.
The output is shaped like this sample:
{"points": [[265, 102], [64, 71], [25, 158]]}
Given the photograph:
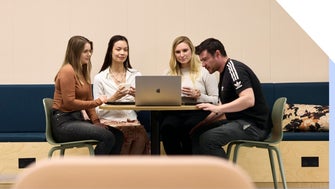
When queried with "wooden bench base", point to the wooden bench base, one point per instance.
{"points": [[14, 152], [254, 161]]}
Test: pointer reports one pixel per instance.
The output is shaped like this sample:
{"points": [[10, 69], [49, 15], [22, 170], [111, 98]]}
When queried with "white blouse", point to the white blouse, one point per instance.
{"points": [[105, 85]]}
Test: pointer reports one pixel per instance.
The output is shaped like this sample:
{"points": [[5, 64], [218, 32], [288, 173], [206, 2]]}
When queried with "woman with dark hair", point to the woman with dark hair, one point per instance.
{"points": [[73, 96], [116, 80]]}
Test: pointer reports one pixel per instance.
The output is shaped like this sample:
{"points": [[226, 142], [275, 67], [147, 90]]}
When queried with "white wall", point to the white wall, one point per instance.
{"points": [[34, 34]]}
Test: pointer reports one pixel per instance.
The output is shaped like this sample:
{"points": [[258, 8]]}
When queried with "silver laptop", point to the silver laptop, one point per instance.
{"points": [[158, 90]]}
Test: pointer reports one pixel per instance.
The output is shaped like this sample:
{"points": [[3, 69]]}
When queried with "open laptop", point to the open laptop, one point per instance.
{"points": [[158, 90]]}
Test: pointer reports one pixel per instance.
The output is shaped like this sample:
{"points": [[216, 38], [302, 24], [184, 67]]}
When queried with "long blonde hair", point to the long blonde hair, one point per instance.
{"points": [[174, 65], [74, 49]]}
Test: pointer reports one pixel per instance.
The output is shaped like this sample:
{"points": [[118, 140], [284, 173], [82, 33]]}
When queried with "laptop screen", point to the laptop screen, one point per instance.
{"points": [[158, 90]]}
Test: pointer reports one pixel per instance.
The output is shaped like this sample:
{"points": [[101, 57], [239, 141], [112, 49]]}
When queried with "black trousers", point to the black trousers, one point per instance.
{"points": [[175, 127]]}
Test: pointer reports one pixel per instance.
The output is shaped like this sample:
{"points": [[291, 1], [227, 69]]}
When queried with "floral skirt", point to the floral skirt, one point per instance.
{"points": [[136, 140]]}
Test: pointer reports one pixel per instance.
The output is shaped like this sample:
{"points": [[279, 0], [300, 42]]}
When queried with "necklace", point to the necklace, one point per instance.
{"points": [[118, 78]]}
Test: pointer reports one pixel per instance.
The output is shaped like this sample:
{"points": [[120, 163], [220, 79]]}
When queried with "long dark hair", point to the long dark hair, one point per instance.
{"points": [[108, 57]]}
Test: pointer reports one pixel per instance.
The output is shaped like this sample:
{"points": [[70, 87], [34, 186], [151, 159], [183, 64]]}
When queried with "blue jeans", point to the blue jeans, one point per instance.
{"points": [[70, 126], [210, 142]]}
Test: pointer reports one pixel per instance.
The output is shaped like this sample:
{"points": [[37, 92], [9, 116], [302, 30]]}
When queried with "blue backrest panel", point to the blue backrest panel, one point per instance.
{"points": [[21, 107]]}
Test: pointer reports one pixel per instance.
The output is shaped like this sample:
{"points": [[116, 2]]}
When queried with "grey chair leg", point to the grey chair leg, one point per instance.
{"points": [[51, 151], [229, 147], [62, 151], [235, 154], [91, 150], [281, 167], [273, 169]]}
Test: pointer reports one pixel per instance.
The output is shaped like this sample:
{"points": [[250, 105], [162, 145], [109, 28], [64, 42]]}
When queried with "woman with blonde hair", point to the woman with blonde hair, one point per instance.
{"points": [[197, 86]]}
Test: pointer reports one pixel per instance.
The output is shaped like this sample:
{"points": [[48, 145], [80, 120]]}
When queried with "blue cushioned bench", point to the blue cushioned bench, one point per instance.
{"points": [[22, 114], [300, 93]]}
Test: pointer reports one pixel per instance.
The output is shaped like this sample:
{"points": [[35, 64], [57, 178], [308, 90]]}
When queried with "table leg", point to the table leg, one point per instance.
{"points": [[155, 138]]}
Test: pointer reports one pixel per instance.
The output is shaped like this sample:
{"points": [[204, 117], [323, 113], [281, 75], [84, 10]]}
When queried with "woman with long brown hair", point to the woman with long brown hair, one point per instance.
{"points": [[73, 96]]}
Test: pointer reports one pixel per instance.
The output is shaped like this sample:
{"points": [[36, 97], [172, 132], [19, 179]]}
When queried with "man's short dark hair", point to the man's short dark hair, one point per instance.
{"points": [[211, 45]]}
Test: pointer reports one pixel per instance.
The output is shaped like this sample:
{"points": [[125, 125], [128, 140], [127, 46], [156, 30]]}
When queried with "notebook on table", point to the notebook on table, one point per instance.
{"points": [[158, 90]]}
